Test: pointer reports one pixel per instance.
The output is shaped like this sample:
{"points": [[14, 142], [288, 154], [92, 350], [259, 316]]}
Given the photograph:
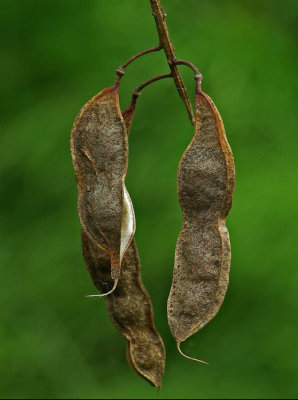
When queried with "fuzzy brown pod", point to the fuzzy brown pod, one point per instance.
{"points": [[129, 308], [206, 179], [99, 149], [128, 305]]}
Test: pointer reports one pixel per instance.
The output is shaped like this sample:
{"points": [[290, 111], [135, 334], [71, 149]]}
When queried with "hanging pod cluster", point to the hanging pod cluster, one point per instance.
{"points": [[99, 149]]}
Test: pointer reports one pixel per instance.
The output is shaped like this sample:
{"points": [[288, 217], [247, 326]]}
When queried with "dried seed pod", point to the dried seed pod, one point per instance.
{"points": [[99, 150], [206, 180], [129, 305], [130, 309]]}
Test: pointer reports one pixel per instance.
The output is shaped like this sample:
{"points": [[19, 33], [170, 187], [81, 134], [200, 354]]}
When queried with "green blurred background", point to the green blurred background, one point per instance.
{"points": [[55, 55]]}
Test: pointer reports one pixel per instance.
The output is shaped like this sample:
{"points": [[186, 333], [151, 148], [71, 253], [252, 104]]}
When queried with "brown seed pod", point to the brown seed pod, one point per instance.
{"points": [[130, 309], [129, 305], [206, 180], [99, 150]]}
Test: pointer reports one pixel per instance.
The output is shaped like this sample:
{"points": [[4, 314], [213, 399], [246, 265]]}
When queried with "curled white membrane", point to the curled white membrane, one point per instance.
{"points": [[128, 226]]}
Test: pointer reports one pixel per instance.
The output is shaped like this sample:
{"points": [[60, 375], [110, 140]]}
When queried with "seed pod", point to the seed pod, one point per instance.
{"points": [[99, 150], [129, 306], [130, 309], [206, 180]]}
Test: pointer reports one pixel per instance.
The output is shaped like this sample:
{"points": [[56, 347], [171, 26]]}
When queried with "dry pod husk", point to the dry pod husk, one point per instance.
{"points": [[206, 180], [99, 150], [99, 146]]}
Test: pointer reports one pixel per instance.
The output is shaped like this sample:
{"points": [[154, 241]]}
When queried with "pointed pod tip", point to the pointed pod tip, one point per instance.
{"points": [[104, 294], [189, 358]]}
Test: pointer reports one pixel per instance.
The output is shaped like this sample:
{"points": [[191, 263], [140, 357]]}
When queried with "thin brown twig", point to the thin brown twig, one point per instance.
{"points": [[137, 91], [167, 45], [156, 48], [120, 71], [198, 74]]}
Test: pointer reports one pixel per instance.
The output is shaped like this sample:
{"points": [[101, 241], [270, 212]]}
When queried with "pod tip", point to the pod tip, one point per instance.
{"points": [[190, 358], [104, 294]]}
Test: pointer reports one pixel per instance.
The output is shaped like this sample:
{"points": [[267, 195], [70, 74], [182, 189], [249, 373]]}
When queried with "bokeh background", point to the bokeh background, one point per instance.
{"points": [[55, 55]]}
